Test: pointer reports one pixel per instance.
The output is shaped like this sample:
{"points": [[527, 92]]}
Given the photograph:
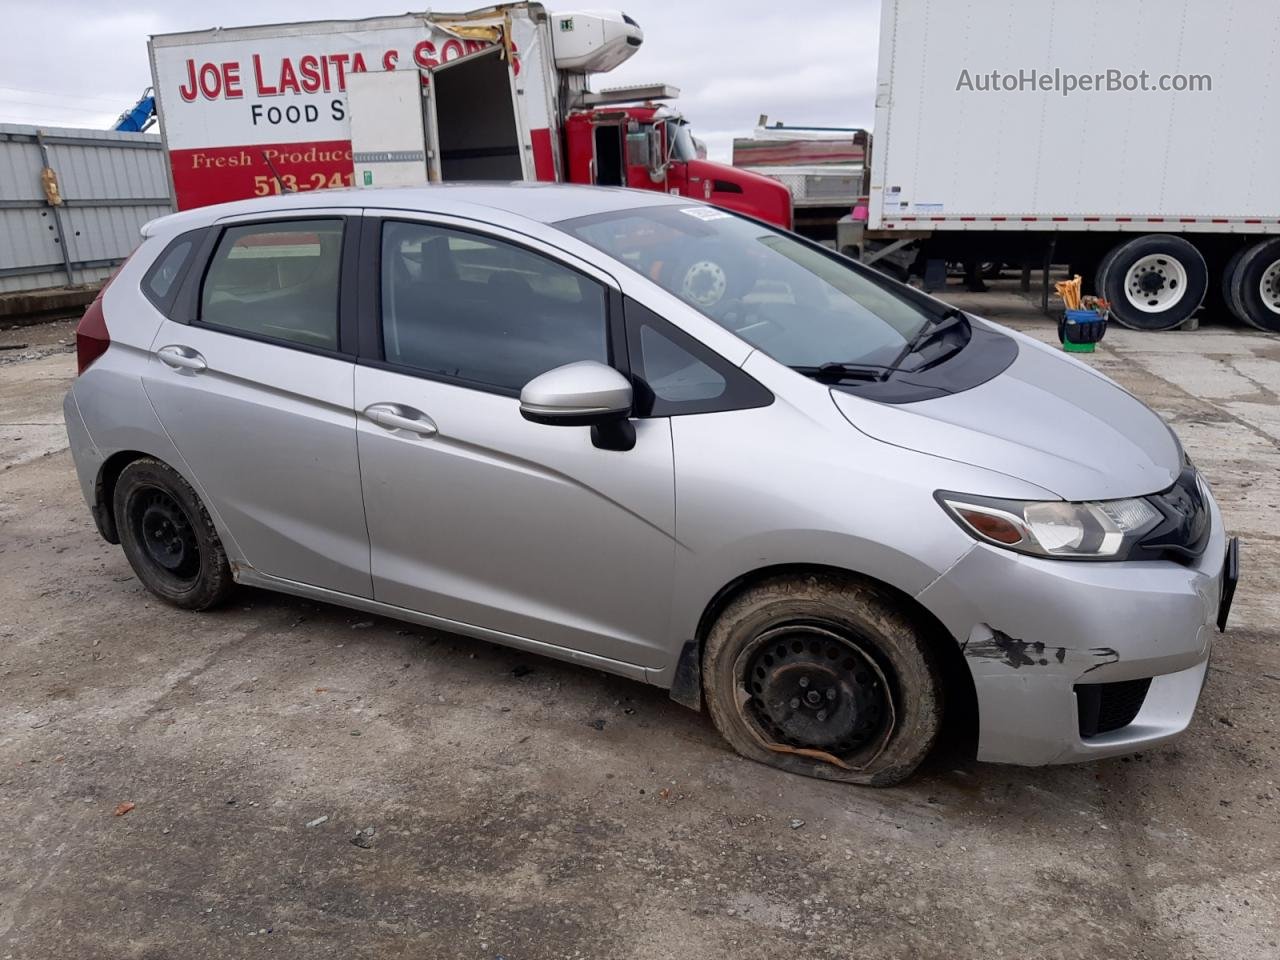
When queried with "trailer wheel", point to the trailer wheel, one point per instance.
{"points": [[1255, 286], [1154, 282], [1228, 278]]}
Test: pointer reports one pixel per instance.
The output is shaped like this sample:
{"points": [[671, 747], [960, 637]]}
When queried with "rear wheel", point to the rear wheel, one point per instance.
{"points": [[168, 537], [1154, 282], [1255, 286], [823, 676]]}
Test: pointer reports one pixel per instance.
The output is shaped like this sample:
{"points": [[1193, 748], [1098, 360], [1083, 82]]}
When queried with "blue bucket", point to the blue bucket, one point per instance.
{"points": [[1079, 327]]}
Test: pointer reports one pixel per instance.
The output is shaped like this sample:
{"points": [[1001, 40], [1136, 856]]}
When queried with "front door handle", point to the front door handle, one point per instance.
{"points": [[396, 416], [182, 358]]}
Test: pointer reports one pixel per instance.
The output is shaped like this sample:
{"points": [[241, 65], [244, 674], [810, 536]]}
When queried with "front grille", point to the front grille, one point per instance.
{"points": [[1109, 706]]}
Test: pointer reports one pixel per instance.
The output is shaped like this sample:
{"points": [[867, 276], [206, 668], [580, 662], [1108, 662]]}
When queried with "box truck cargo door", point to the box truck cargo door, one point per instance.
{"points": [[474, 119], [388, 145]]}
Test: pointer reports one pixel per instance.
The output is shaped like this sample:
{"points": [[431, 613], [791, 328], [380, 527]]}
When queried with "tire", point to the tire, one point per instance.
{"points": [[1154, 282], [168, 537], [879, 693], [1255, 286], [1228, 274]]}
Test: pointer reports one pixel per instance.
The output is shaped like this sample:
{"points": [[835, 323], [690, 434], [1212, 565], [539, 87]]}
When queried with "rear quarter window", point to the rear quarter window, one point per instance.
{"points": [[160, 283]]}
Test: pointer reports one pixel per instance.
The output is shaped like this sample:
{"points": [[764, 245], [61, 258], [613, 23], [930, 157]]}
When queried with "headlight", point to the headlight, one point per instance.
{"points": [[1055, 528]]}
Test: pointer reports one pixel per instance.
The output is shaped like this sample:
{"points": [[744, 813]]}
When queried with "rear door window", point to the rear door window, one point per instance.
{"points": [[477, 309], [277, 280]]}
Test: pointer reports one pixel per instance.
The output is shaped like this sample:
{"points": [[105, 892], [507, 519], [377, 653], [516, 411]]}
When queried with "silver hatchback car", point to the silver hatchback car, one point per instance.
{"points": [[659, 439]]}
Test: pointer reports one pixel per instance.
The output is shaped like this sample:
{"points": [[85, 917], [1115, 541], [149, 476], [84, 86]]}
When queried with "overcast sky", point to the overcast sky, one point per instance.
{"points": [[82, 62]]}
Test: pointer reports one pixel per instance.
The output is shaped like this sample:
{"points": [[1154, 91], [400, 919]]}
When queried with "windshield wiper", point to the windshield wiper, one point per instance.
{"points": [[935, 328], [836, 372]]}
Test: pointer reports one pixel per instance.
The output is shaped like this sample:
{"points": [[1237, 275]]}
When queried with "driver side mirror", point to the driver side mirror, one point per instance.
{"points": [[586, 393]]}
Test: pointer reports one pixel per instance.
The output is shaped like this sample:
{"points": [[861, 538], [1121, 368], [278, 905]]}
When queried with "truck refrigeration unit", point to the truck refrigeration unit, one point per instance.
{"points": [[1126, 139], [495, 94]]}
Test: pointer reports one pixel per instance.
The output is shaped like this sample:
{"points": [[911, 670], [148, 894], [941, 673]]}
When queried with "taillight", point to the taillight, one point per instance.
{"points": [[92, 338]]}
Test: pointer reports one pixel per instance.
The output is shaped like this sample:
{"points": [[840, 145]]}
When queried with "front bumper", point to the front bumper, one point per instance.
{"points": [[1032, 629]]}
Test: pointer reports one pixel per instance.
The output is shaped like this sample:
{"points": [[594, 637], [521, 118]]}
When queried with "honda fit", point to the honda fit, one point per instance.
{"points": [[658, 439]]}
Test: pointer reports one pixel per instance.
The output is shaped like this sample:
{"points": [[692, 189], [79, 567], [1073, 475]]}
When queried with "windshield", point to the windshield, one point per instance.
{"points": [[796, 304], [682, 144]]}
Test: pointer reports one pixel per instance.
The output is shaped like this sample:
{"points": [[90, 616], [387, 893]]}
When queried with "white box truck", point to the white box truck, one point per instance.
{"points": [[1126, 138], [499, 93]]}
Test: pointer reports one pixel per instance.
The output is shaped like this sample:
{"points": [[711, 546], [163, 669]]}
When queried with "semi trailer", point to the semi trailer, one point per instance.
{"points": [[824, 168], [501, 93], [1122, 138]]}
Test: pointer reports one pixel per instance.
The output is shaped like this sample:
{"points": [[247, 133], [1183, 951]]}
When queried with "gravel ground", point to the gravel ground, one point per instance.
{"points": [[302, 781]]}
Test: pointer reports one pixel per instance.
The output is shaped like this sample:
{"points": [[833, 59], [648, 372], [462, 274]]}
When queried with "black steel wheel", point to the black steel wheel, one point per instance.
{"points": [[813, 686], [165, 533], [168, 537], [826, 675]]}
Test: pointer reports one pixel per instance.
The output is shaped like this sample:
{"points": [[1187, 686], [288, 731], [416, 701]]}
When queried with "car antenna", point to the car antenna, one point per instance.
{"points": [[275, 173]]}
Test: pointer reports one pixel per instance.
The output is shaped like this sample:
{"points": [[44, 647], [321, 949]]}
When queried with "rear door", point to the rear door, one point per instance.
{"points": [[475, 514], [388, 138], [253, 383], [475, 126]]}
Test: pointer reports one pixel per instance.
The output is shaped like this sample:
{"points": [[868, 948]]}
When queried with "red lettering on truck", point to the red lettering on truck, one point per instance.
{"points": [[211, 81], [231, 81], [309, 68], [259, 81], [424, 55], [288, 78], [339, 60]]}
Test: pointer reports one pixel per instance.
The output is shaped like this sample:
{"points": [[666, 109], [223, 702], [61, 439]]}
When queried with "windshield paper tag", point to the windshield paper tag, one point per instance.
{"points": [[705, 213]]}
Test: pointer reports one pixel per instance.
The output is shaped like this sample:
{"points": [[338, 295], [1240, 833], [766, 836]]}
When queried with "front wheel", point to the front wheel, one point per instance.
{"points": [[824, 676], [1154, 282], [168, 536]]}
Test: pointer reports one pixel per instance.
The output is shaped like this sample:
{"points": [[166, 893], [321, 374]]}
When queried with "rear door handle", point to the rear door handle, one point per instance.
{"points": [[182, 358], [396, 416]]}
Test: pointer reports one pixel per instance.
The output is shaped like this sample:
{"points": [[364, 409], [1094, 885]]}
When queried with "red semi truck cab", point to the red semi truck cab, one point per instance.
{"points": [[651, 147], [500, 93]]}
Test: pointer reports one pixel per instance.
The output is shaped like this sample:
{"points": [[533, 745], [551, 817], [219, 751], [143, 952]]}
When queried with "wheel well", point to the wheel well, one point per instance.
{"points": [[960, 722], [105, 489]]}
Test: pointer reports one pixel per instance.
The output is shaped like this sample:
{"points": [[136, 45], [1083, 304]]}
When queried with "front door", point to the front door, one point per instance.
{"points": [[255, 392], [475, 514]]}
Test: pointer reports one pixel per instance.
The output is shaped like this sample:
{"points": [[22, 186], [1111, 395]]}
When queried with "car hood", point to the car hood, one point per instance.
{"points": [[1047, 419]]}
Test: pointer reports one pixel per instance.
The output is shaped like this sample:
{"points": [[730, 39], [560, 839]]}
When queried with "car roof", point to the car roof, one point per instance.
{"points": [[540, 202]]}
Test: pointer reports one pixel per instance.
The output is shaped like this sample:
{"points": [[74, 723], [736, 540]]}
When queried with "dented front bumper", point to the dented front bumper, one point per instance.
{"points": [[1032, 629]]}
